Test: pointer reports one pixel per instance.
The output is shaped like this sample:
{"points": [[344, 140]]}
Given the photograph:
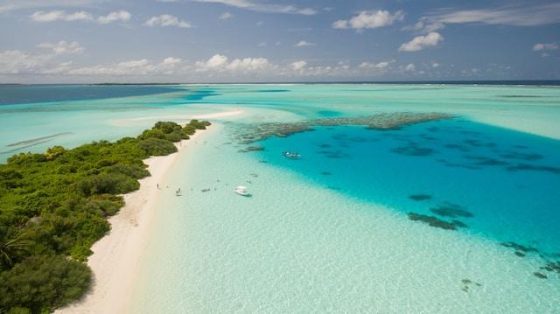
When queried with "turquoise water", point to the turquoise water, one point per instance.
{"points": [[73, 114], [330, 232], [298, 246], [507, 181], [97, 115]]}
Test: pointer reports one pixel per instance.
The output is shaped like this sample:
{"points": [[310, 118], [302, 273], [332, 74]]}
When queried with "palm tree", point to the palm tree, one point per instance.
{"points": [[9, 249]]}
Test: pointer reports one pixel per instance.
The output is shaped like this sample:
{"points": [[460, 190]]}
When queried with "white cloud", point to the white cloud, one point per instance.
{"points": [[545, 47], [248, 64], [301, 68], [221, 63], [49, 62], [171, 61], [165, 20], [263, 7], [379, 66], [512, 15], [298, 65], [435, 65], [226, 16], [369, 19], [303, 43], [425, 25], [340, 24], [116, 16], [215, 62], [61, 15], [63, 47], [420, 42], [60, 68], [16, 62], [368, 65], [139, 67]]}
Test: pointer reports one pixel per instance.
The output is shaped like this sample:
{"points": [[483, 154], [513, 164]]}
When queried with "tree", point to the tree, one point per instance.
{"points": [[43, 283], [10, 249]]}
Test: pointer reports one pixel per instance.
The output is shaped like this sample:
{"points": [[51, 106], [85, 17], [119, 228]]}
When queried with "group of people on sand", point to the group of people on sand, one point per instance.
{"points": [[177, 192]]}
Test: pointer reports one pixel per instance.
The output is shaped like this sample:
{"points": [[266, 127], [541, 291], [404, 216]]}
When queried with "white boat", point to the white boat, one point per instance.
{"points": [[291, 155], [242, 190]]}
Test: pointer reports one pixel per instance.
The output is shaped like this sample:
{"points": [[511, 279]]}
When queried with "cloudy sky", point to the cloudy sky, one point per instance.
{"points": [[50, 41]]}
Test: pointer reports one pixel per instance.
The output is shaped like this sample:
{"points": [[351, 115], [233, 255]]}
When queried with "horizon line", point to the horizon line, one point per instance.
{"points": [[550, 82]]}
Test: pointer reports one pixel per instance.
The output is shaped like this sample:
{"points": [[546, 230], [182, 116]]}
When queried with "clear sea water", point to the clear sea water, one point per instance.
{"points": [[509, 181], [330, 232]]}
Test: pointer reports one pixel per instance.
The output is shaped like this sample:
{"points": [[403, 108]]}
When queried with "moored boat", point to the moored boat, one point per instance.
{"points": [[291, 155], [242, 190]]}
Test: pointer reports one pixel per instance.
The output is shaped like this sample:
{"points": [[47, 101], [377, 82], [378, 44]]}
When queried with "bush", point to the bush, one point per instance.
{"points": [[106, 183], [167, 127], [19, 310], [105, 163], [10, 178], [106, 204], [153, 133], [53, 152], [199, 125], [24, 158], [157, 147], [134, 171], [43, 283], [174, 136], [189, 129]]}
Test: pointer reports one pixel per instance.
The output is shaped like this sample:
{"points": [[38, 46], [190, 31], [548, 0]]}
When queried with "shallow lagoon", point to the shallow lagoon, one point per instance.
{"points": [[303, 243]]}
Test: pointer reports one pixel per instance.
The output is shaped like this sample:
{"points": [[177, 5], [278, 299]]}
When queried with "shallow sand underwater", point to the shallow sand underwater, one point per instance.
{"points": [[298, 247]]}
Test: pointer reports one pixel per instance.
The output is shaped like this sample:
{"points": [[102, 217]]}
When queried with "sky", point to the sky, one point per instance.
{"points": [[94, 41]]}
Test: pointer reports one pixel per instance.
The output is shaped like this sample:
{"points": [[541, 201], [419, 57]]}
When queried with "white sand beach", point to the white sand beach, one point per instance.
{"points": [[116, 257]]}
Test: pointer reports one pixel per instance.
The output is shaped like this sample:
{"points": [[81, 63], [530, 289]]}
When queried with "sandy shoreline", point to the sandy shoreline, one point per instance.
{"points": [[116, 256]]}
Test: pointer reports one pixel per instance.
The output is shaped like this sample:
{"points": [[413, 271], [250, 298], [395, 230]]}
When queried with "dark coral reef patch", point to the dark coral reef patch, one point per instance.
{"points": [[451, 210], [436, 222], [381, 121], [413, 150], [420, 197]]}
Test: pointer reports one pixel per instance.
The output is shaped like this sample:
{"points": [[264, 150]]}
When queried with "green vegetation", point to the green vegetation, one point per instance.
{"points": [[54, 206]]}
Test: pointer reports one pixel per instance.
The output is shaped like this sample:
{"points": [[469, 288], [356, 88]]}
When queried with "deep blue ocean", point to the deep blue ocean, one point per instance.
{"points": [[24, 94], [499, 183]]}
